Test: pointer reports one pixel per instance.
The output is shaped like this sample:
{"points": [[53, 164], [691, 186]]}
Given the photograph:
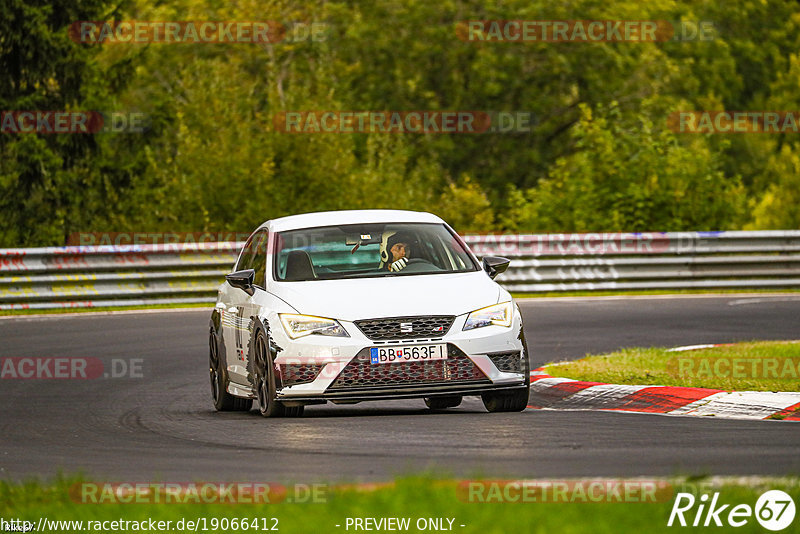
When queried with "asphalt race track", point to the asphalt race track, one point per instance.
{"points": [[161, 426]]}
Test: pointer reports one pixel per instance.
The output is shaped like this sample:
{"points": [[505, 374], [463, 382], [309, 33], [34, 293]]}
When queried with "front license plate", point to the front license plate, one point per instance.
{"points": [[411, 353]]}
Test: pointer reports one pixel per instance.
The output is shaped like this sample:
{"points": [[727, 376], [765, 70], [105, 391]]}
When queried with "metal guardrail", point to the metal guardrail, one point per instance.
{"points": [[646, 261], [93, 276]]}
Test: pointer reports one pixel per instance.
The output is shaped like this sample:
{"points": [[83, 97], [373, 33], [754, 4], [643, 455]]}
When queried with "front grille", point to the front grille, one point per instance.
{"points": [[507, 362], [360, 373], [406, 327], [293, 374]]}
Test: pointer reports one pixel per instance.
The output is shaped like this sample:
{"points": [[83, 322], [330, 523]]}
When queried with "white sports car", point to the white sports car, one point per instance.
{"points": [[349, 306]]}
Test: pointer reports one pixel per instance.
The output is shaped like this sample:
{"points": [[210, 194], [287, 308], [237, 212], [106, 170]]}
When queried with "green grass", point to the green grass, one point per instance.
{"points": [[412, 497], [106, 309], [755, 366]]}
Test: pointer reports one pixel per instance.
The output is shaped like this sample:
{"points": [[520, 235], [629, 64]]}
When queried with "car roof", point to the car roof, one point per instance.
{"points": [[332, 218]]}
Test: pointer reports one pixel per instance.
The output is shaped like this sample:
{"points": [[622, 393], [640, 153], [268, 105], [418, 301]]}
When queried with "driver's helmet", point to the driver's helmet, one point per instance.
{"points": [[390, 239]]}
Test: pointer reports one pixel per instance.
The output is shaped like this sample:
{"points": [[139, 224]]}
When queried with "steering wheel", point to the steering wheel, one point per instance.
{"points": [[418, 265]]}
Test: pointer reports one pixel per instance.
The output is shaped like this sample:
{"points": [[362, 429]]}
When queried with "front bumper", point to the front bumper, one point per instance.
{"points": [[320, 368]]}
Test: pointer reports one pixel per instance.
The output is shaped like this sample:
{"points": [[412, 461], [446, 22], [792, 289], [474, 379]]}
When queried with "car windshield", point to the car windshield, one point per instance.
{"points": [[369, 250]]}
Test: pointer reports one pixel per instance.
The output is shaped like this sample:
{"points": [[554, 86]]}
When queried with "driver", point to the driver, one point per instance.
{"points": [[397, 252]]}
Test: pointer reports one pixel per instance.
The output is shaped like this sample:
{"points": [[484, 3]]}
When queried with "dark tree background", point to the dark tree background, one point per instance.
{"points": [[600, 156]]}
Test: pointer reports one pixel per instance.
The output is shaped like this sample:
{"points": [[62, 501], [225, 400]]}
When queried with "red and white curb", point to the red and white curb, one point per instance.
{"points": [[548, 392]]}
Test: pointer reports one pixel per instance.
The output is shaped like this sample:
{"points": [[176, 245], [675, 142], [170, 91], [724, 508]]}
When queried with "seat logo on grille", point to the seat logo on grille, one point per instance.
{"points": [[406, 327]]}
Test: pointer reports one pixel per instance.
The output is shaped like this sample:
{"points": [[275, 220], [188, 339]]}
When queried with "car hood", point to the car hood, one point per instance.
{"points": [[394, 296]]}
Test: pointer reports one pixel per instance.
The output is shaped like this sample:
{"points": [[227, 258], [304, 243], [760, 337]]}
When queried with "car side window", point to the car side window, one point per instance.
{"points": [[246, 258], [259, 261]]}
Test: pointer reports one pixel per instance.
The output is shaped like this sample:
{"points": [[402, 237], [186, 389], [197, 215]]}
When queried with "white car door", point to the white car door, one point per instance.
{"points": [[240, 309]]}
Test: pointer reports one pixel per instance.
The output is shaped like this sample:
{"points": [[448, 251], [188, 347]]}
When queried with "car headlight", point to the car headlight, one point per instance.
{"points": [[304, 325], [499, 314]]}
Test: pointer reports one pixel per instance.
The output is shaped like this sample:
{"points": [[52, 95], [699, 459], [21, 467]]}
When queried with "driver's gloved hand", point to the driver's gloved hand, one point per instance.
{"points": [[398, 265]]}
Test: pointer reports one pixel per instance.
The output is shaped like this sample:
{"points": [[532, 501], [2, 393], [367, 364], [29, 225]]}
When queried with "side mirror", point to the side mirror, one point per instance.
{"points": [[242, 280], [494, 265]]}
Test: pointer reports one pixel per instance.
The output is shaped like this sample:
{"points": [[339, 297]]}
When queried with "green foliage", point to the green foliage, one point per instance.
{"points": [[42, 69], [778, 206], [466, 207], [630, 176], [600, 156]]}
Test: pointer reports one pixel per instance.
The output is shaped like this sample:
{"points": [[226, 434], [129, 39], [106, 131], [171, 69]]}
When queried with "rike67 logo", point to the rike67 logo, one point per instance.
{"points": [[774, 510]]}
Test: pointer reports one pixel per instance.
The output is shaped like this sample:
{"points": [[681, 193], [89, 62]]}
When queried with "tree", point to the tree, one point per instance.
{"points": [[631, 176]]}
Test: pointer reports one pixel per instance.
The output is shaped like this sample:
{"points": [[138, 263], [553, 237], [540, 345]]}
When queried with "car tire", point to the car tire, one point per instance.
{"points": [[441, 403], [507, 402], [223, 401], [265, 382], [293, 411], [517, 400]]}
